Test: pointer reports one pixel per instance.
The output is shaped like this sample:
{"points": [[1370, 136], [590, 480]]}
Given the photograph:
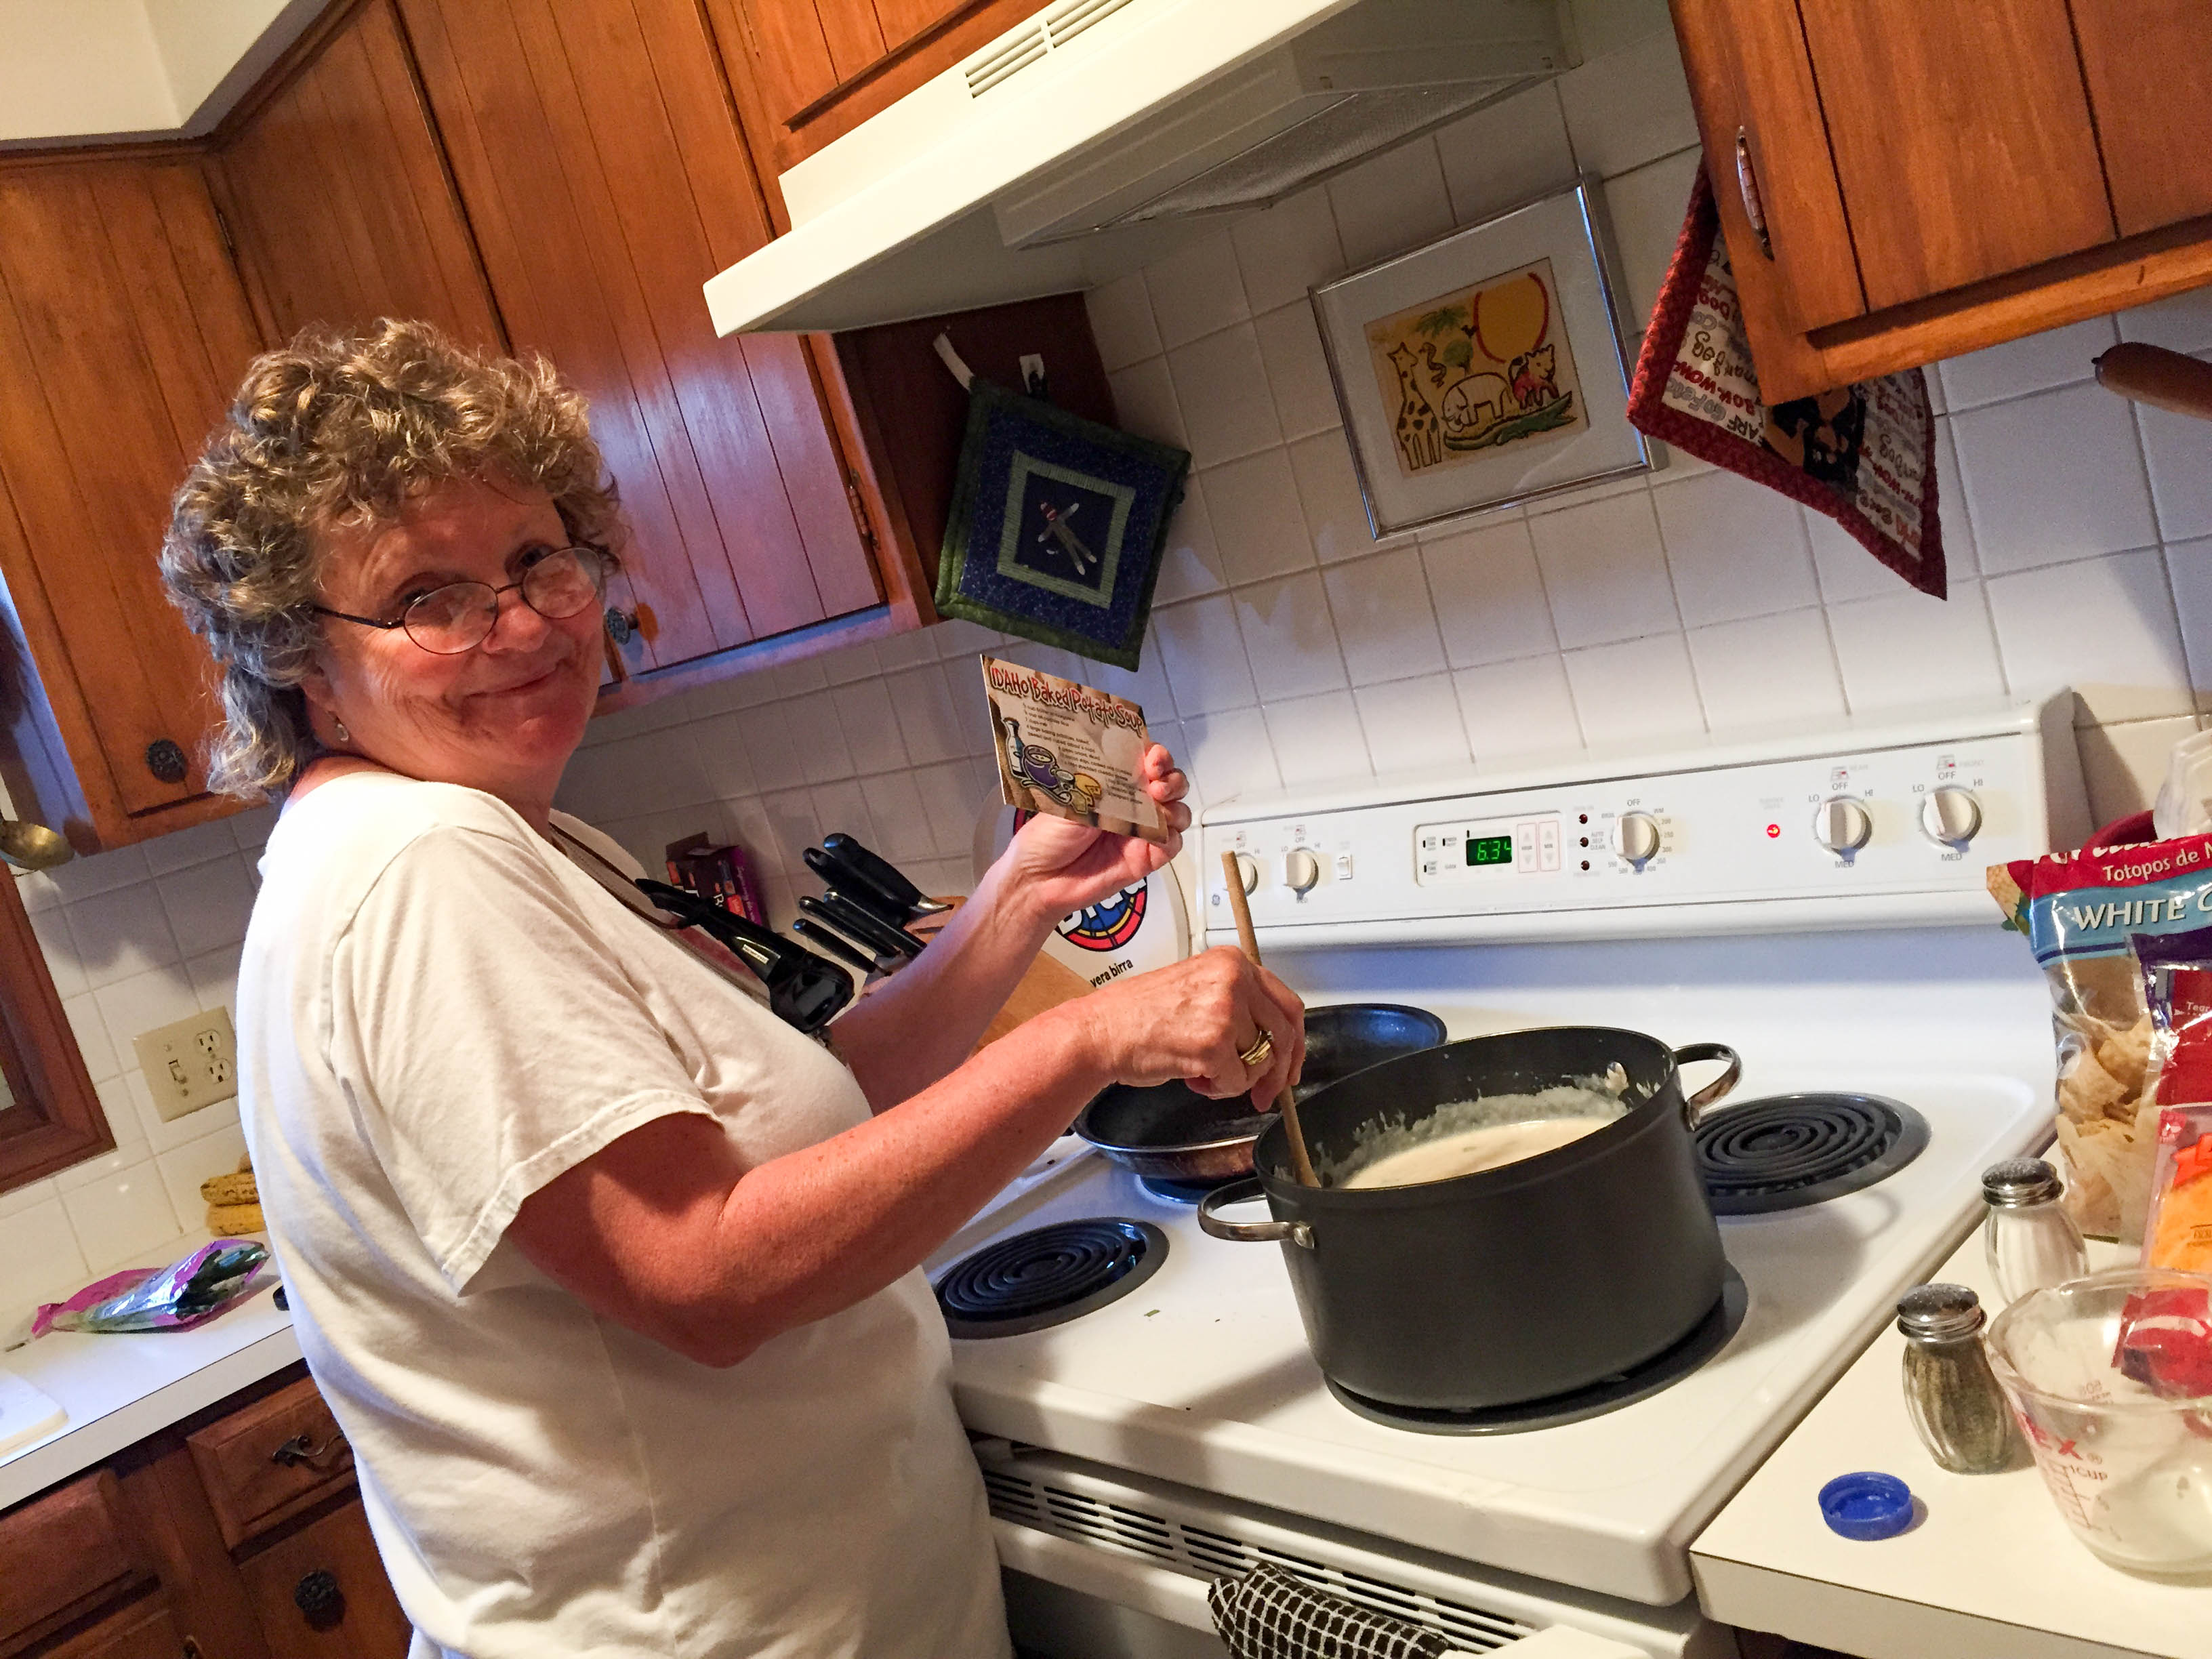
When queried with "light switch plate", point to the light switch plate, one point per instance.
{"points": [[191, 1064]]}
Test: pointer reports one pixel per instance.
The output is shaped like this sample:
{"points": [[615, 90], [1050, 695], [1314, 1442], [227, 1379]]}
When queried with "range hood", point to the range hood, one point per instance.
{"points": [[1102, 134]]}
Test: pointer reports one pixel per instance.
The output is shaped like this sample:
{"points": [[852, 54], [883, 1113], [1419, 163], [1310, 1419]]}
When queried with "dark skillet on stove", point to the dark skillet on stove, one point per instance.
{"points": [[1172, 1132]]}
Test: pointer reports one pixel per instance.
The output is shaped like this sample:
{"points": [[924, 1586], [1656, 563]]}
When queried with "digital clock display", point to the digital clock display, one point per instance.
{"points": [[1489, 849]]}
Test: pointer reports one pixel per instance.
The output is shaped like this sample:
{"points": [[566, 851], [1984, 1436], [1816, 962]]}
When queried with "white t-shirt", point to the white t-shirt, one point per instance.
{"points": [[438, 1013]]}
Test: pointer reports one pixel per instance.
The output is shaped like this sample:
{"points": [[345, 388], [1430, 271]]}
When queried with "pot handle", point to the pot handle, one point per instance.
{"points": [[1299, 1233], [1693, 1109]]}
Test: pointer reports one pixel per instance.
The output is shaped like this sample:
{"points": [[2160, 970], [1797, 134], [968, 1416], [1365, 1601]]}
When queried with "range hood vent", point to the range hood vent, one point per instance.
{"points": [[1100, 133]]}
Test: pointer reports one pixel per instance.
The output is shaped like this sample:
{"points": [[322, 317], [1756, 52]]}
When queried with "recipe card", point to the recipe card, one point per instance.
{"points": [[1070, 749]]}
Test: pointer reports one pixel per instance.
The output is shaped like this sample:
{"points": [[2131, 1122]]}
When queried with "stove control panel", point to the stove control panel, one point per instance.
{"points": [[1888, 831]]}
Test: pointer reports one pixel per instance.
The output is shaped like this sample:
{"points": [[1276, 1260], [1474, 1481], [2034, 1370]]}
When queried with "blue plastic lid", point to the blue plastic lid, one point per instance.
{"points": [[1867, 1506]]}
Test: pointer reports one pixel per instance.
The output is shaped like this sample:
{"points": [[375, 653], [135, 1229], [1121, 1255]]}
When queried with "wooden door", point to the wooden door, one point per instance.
{"points": [[321, 1590], [1962, 138], [340, 198], [2147, 67], [123, 328], [602, 168]]}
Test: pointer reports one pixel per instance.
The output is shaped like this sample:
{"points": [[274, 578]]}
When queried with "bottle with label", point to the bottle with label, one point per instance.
{"points": [[2031, 1242], [1960, 1411]]}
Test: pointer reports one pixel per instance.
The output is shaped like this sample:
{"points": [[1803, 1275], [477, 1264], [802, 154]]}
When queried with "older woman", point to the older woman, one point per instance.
{"points": [[609, 1276]]}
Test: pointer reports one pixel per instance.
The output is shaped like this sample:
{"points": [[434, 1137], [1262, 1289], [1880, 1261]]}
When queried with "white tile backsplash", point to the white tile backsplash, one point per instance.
{"points": [[1507, 153], [1605, 570], [1766, 670], [1636, 691], [2105, 626], [1735, 548], [1257, 523], [2055, 476], [1197, 290], [1510, 638], [1221, 387]]}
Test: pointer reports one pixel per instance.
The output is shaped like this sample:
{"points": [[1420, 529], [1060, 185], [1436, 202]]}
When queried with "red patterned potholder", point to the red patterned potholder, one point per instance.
{"points": [[1863, 454]]}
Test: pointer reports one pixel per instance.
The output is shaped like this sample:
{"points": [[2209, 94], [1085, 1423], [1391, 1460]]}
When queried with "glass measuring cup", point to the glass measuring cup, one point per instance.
{"points": [[2129, 1469]]}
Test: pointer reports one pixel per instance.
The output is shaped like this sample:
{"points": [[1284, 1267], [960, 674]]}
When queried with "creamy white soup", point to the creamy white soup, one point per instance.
{"points": [[1472, 1150]]}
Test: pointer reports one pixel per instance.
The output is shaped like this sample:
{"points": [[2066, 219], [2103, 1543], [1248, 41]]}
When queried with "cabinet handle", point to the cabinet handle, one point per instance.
{"points": [[318, 1598], [1747, 182], [165, 759], [191, 1649], [299, 1448]]}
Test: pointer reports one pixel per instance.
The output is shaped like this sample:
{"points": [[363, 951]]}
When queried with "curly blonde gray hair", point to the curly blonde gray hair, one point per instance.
{"points": [[334, 432]]}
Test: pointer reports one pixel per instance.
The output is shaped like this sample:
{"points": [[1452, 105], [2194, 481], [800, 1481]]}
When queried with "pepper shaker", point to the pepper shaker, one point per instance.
{"points": [[1960, 1411], [2031, 1242]]}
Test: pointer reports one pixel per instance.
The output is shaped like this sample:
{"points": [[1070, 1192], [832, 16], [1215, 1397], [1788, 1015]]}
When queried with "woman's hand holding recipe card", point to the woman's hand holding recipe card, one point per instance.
{"points": [[1073, 756]]}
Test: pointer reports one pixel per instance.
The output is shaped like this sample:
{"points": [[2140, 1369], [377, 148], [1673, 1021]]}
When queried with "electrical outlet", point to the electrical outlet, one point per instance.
{"points": [[191, 1064]]}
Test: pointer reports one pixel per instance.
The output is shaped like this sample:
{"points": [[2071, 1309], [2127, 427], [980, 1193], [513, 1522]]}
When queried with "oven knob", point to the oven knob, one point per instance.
{"points": [[1300, 870], [1636, 838], [1842, 825], [1951, 816], [1248, 868]]}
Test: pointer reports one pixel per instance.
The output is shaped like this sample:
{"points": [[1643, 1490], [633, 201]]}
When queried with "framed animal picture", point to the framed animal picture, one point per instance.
{"points": [[1483, 369]]}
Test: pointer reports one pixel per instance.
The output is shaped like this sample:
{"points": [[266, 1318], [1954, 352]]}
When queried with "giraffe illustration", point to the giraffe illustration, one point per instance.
{"points": [[1419, 440]]}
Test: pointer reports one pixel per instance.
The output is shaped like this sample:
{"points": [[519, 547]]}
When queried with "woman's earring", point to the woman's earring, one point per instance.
{"points": [[339, 727]]}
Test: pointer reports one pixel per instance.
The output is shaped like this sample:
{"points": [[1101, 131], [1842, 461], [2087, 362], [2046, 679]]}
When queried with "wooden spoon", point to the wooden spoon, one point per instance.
{"points": [[1301, 1165]]}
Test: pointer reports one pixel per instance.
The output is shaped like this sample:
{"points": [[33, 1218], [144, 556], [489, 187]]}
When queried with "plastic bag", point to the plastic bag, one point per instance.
{"points": [[2081, 912], [171, 1299]]}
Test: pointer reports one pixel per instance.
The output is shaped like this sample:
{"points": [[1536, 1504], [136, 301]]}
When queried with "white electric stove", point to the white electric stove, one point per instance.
{"points": [[1815, 900]]}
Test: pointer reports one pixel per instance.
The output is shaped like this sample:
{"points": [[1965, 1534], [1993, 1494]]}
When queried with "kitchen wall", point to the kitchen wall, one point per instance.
{"points": [[1287, 647]]}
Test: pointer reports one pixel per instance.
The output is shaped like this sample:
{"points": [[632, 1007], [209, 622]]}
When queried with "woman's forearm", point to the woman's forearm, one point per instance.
{"points": [[915, 1028]]}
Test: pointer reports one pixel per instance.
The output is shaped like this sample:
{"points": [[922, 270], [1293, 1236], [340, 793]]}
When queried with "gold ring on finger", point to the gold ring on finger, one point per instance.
{"points": [[1262, 1046]]}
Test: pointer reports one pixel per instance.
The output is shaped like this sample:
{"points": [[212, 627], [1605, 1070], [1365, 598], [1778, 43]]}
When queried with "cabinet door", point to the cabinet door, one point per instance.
{"points": [[144, 1630], [2148, 65], [339, 197], [603, 171], [815, 69], [122, 329], [1962, 139], [322, 1591]]}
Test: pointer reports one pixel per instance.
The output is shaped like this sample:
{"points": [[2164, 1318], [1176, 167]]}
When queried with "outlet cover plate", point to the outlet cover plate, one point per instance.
{"points": [[191, 1064]]}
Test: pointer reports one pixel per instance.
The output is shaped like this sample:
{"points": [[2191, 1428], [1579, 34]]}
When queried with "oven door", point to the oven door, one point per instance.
{"points": [[1103, 1564]]}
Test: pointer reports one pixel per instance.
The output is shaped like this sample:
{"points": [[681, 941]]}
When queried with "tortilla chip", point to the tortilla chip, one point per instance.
{"points": [[2088, 1197], [2088, 1088], [2126, 1055]]}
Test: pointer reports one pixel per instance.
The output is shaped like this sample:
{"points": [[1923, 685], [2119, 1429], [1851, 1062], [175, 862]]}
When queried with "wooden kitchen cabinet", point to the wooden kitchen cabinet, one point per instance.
{"points": [[322, 1590], [1933, 179], [123, 327], [201, 1540], [605, 177], [336, 191], [810, 71]]}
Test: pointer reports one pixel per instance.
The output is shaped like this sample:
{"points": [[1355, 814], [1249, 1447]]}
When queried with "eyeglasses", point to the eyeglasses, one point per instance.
{"points": [[459, 616]]}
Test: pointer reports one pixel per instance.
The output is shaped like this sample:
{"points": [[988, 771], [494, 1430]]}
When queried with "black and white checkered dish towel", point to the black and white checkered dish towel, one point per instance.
{"points": [[1268, 1615]]}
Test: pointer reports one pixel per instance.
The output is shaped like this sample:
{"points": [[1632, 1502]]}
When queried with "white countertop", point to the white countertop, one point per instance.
{"points": [[1989, 1571], [119, 1389]]}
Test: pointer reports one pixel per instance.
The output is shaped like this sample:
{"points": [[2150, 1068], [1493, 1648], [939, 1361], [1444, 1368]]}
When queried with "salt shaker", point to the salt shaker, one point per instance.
{"points": [[1961, 1414], [2031, 1242]]}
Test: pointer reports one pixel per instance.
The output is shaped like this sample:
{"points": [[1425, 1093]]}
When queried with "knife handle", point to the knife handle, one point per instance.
{"points": [[840, 875]]}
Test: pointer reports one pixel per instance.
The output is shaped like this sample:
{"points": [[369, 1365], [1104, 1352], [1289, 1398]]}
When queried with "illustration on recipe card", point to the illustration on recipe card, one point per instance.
{"points": [[1477, 368], [1070, 749]]}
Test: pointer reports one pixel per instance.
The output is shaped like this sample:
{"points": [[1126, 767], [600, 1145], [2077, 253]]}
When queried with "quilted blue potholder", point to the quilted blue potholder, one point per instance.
{"points": [[1057, 525]]}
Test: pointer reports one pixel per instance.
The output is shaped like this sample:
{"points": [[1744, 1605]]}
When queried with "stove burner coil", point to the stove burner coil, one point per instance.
{"points": [[1047, 1275], [1790, 1151]]}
